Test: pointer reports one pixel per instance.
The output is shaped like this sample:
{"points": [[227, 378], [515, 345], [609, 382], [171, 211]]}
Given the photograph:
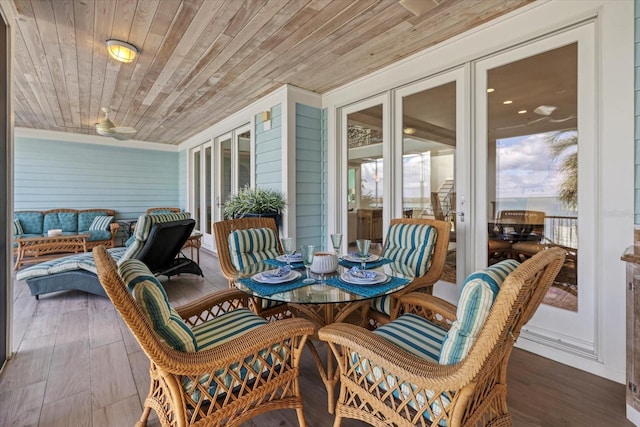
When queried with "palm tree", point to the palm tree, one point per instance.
{"points": [[564, 145]]}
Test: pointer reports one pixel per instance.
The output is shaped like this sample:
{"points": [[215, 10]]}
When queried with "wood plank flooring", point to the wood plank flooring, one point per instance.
{"points": [[77, 364]]}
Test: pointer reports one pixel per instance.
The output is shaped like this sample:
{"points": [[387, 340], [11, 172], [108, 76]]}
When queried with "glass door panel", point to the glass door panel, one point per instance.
{"points": [[196, 187], [533, 150], [244, 159], [365, 177], [428, 164], [208, 191]]}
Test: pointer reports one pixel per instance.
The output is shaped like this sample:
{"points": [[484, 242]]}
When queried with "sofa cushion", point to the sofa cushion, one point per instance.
{"points": [[66, 221], [478, 293], [31, 221], [100, 223], [17, 227], [252, 245], [99, 235], [85, 219], [151, 297]]}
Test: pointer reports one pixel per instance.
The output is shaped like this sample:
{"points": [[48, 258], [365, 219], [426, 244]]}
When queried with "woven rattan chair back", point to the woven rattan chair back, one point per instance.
{"points": [[163, 210], [425, 282], [221, 230], [417, 392], [172, 371]]}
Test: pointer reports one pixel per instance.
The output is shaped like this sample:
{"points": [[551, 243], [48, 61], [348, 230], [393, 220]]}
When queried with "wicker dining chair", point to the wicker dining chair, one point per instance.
{"points": [[420, 244], [267, 248], [437, 364], [213, 362]]}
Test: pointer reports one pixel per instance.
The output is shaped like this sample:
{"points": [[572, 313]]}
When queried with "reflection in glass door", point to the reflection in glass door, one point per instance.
{"points": [[533, 149], [195, 186], [365, 177], [428, 162]]}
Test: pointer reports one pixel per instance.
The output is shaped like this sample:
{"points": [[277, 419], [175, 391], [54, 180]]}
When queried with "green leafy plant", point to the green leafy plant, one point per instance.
{"points": [[254, 201]]}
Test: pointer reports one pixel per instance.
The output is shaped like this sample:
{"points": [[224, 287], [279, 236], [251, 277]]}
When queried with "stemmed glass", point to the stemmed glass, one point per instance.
{"points": [[336, 241], [307, 259], [287, 248], [363, 251]]}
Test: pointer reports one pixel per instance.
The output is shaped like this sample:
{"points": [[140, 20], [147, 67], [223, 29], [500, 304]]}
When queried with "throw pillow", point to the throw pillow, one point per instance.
{"points": [[17, 227], [478, 293], [150, 295], [101, 222]]}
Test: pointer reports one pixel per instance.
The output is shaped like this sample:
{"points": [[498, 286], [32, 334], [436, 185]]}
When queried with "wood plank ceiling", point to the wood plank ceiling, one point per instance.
{"points": [[202, 60]]}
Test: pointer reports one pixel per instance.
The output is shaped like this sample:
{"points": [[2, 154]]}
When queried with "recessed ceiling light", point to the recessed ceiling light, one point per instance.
{"points": [[507, 102], [409, 131], [489, 90], [522, 111]]}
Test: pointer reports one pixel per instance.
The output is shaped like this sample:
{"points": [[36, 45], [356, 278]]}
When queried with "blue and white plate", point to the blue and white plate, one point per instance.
{"points": [[297, 257], [349, 278], [355, 258], [270, 279]]}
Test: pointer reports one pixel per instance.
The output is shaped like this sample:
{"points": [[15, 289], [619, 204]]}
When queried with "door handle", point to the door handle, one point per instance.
{"points": [[460, 214]]}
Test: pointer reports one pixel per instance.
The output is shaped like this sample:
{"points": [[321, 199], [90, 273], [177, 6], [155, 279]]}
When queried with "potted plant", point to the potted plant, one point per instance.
{"points": [[255, 202]]}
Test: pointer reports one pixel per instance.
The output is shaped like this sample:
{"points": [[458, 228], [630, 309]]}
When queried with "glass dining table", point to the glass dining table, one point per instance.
{"points": [[341, 296]]}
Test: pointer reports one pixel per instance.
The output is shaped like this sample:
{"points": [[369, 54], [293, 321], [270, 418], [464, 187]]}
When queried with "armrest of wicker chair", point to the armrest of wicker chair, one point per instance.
{"points": [[432, 308]]}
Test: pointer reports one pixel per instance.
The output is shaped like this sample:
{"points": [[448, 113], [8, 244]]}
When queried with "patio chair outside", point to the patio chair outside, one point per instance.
{"points": [[416, 379], [199, 374]]}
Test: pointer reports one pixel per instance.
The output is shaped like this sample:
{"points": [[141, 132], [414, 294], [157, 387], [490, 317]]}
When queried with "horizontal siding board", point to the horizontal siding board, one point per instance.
{"points": [[70, 175], [303, 110], [308, 122], [268, 151]]}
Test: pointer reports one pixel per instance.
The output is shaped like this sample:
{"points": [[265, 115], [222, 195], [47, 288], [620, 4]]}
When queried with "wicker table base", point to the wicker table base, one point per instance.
{"points": [[44, 245]]}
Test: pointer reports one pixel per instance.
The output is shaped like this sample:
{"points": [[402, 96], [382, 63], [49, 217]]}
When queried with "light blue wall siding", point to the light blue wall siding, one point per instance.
{"points": [[183, 182], [637, 112], [268, 152], [54, 174], [310, 176]]}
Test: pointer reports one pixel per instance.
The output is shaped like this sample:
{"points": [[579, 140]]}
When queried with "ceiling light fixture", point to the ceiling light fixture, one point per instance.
{"points": [[489, 90], [409, 131], [507, 102], [522, 111], [122, 51]]}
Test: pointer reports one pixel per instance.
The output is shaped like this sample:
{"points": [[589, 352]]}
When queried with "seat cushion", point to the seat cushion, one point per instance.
{"points": [[412, 245], [151, 297], [85, 218], [252, 245], [479, 291], [100, 223], [226, 327], [414, 334]]}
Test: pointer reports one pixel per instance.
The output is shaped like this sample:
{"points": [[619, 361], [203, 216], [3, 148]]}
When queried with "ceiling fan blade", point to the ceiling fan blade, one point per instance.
{"points": [[124, 129], [120, 136]]}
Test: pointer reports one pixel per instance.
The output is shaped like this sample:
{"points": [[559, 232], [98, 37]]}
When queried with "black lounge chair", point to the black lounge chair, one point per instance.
{"points": [[159, 242]]}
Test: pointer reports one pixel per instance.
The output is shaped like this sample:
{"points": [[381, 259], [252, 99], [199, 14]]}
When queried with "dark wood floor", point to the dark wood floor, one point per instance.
{"points": [[78, 365]]}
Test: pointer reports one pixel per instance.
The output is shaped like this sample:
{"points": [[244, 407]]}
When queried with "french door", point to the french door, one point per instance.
{"points": [[535, 157], [201, 163], [233, 167]]}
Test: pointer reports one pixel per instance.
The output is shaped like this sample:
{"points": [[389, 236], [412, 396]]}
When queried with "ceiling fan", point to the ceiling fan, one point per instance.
{"points": [[105, 127], [545, 111]]}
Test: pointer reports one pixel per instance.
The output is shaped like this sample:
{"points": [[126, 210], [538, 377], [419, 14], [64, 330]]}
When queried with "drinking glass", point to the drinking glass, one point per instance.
{"points": [[336, 241], [363, 251], [287, 247], [307, 259]]}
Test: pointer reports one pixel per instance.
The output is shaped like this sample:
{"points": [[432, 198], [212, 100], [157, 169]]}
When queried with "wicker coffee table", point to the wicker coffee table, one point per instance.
{"points": [[38, 246]]}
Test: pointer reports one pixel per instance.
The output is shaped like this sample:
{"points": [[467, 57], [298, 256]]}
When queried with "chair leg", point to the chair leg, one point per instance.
{"points": [[301, 421], [144, 417], [337, 422]]}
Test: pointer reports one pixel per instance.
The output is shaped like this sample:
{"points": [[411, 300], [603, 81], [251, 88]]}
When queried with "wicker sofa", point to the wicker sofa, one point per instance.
{"points": [[98, 224]]}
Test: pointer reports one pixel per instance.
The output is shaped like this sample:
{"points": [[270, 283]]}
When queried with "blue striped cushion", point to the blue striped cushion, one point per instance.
{"points": [[412, 245], [17, 227], [143, 228], [421, 338], [221, 330], [100, 222], [151, 297], [252, 245], [414, 334], [382, 304], [478, 293]]}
